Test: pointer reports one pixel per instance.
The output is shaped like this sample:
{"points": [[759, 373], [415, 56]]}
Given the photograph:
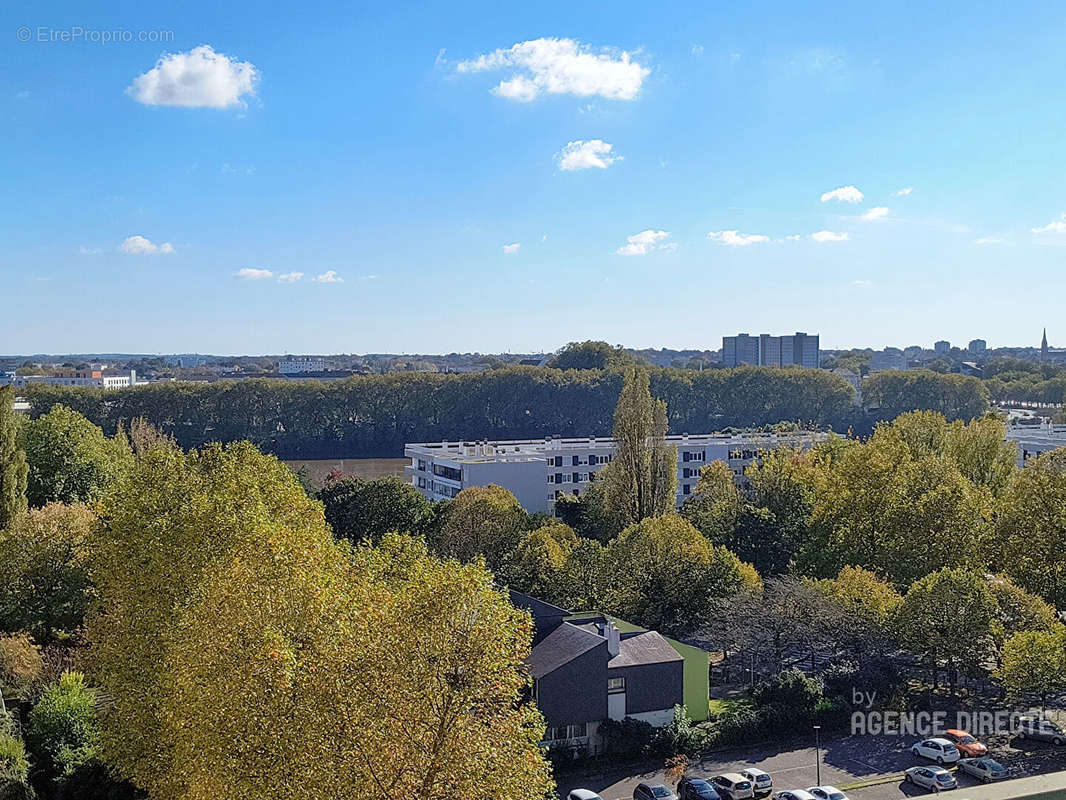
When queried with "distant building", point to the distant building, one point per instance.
{"points": [[538, 471], [96, 378], [294, 365], [889, 358], [7, 377], [1032, 440], [798, 349], [942, 346], [588, 668], [977, 346]]}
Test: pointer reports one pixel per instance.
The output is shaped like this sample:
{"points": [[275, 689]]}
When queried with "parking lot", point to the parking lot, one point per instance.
{"points": [[845, 761]]}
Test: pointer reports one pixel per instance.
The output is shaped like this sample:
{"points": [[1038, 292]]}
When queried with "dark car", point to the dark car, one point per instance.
{"points": [[652, 791], [696, 789]]}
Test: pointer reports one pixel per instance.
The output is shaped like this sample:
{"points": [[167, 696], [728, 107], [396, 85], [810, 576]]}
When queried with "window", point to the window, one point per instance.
{"points": [[577, 477], [577, 730], [558, 477], [421, 483], [686, 488], [574, 461], [593, 460], [616, 685], [558, 461], [422, 464], [451, 473]]}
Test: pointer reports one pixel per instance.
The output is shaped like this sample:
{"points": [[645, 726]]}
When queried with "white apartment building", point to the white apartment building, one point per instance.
{"points": [[537, 471], [96, 378], [294, 365]]}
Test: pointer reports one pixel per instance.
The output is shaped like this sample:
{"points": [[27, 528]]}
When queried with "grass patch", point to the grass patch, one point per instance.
{"points": [[719, 707]]}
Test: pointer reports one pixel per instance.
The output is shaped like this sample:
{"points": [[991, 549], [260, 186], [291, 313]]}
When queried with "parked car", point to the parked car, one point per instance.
{"points": [[582, 794], [932, 778], [984, 769], [827, 793], [652, 791], [1041, 730], [968, 746], [696, 789], [733, 786], [937, 749], [761, 781], [794, 794]]}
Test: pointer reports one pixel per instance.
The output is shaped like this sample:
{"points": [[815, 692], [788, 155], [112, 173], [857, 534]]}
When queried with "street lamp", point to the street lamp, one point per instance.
{"points": [[817, 757]]}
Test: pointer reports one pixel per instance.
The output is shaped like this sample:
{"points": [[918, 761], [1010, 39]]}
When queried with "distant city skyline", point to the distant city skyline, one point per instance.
{"points": [[471, 176]]}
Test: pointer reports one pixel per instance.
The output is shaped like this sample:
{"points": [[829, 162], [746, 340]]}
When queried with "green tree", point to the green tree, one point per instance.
{"points": [[591, 355], [483, 521], [1031, 527], [21, 666], [1034, 665], [895, 392], [666, 575], [641, 480], [1018, 611], [358, 509], [541, 555], [947, 618], [70, 459], [716, 506], [232, 629], [45, 586], [62, 727], [14, 765], [13, 469], [581, 583], [587, 513]]}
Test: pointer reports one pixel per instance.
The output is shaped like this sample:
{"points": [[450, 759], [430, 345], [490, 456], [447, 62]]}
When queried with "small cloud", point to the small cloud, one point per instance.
{"points": [[793, 237], [440, 60], [560, 66], [829, 236], [140, 246], [329, 276], [989, 240], [89, 251], [862, 283], [253, 274], [697, 50], [594, 153], [511, 249], [229, 169], [23, 95], [875, 213], [1055, 226], [200, 78], [640, 244], [370, 277], [906, 190], [737, 239], [844, 194], [290, 277]]}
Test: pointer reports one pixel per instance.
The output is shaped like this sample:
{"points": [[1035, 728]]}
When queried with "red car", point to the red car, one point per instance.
{"points": [[968, 746]]}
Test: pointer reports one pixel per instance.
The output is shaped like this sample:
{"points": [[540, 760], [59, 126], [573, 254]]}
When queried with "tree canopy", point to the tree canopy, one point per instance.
{"points": [[13, 469]]}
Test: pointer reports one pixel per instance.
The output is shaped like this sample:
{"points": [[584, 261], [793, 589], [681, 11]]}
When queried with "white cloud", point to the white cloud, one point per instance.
{"points": [[989, 240], [875, 213], [329, 276], [906, 190], [697, 50], [89, 251], [290, 277], [640, 244], [793, 237], [140, 246], [200, 78], [829, 236], [845, 194], [737, 239], [1055, 226], [254, 274], [561, 66], [511, 249], [593, 153], [862, 283]]}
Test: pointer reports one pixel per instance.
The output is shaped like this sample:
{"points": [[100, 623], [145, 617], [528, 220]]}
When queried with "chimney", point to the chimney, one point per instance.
{"points": [[613, 637]]}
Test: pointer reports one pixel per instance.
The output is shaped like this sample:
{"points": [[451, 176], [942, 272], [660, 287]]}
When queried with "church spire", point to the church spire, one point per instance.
{"points": [[1043, 347]]}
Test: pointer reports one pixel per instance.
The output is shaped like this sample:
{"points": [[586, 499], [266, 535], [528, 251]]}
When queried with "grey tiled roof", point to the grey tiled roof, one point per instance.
{"points": [[648, 647], [562, 645]]}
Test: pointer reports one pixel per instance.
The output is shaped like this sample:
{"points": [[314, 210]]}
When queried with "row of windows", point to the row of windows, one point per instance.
{"points": [[577, 461], [570, 477], [451, 473], [559, 733], [693, 455]]}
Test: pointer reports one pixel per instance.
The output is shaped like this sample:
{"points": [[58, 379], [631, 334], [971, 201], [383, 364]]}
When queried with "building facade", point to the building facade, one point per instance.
{"points": [[1034, 439], [538, 471], [294, 365], [96, 378], [889, 358], [977, 346], [943, 346], [798, 349]]}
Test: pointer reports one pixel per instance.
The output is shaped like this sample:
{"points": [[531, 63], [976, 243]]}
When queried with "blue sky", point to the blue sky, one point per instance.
{"points": [[389, 153]]}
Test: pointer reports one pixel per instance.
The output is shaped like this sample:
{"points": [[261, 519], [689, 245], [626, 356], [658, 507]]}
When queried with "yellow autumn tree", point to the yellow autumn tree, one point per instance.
{"points": [[244, 654]]}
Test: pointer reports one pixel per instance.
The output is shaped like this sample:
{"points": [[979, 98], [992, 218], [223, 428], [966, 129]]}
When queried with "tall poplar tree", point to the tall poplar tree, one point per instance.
{"points": [[641, 480], [13, 468]]}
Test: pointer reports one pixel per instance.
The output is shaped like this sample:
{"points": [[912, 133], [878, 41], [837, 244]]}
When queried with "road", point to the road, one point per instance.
{"points": [[844, 761]]}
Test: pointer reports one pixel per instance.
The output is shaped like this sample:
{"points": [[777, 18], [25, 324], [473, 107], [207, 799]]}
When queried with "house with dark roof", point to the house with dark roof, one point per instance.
{"points": [[585, 670]]}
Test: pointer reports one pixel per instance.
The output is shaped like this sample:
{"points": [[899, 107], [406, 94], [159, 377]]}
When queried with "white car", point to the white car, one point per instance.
{"points": [[932, 778], [733, 786], [794, 794], [984, 769], [761, 781], [827, 793], [939, 750], [583, 794]]}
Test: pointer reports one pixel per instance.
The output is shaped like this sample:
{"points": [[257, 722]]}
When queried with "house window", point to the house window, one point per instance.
{"points": [[421, 483], [551, 478], [686, 488], [577, 477], [593, 460], [558, 461], [422, 465], [574, 461], [616, 685], [577, 731]]}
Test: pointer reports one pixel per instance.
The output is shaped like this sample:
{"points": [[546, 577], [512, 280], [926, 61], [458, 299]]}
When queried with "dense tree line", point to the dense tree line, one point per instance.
{"points": [[375, 415]]}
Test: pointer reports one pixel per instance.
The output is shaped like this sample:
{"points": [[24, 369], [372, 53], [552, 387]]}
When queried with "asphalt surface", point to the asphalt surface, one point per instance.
{"points": [[844, 761]]}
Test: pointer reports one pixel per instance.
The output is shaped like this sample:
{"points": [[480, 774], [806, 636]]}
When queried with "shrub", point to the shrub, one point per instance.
{"points": [[790, 689], [629, 738]]}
